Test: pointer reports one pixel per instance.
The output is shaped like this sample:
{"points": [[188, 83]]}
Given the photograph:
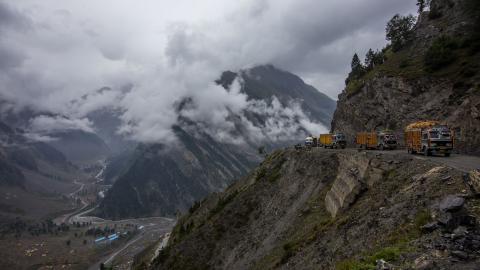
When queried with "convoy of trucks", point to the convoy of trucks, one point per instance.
{"points": [[429, 138], [425, 137]]}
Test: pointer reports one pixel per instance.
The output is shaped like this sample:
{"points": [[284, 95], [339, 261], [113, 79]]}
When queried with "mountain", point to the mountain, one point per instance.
{"points": [[163, 179], [265, 82], [33, 177], [79, 146], [350, 209], [330, 209], [434, 77]]}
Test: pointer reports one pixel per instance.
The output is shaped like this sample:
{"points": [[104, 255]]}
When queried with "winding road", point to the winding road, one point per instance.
{"points": [[66, 218]]}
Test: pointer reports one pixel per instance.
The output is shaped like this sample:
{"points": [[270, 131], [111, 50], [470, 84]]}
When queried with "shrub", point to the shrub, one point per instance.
{"points": [[288, 251], [399, 31], [353, 265], [354, 87], [423, 217], [441, 53], [404, 63], [434, 14]]}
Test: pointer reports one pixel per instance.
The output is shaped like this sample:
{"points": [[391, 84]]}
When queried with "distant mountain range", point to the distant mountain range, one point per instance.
{"points": [[163, 179], [33, 176]]}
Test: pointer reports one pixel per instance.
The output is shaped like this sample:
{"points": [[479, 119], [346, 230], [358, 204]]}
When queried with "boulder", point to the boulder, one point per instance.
{"points": [[383, 265], [451, 203], [423, 263]]}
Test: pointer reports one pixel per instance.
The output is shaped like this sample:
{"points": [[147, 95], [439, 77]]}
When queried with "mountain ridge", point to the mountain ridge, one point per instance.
{"points": [[200, 163]]}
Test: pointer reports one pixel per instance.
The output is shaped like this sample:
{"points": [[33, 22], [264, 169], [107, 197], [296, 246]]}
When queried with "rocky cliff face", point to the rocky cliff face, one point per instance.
{"points": [[326, 209], [403, 89]]}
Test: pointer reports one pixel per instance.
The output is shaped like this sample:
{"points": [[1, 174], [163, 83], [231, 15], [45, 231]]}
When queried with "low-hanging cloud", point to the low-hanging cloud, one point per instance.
{"points": [[46, 124], [57, 54]]}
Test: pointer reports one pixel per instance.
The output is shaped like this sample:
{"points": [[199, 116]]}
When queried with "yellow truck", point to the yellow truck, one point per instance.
{"points": [[429, 138], [330, 140], [367, 140], [376, 140]]}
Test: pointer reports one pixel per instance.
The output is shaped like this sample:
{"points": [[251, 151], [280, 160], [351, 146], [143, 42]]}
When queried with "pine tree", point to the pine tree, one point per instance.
{"points": [[358, 70], [356, 64], [370, 59]]}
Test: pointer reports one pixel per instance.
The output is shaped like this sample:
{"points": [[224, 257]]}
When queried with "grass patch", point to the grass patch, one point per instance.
{"points": [[260, 173], [353, 265], [389, 254], [313, 222], [288, 251], [222, 202], [390, 174], [441, 53], [194, 207], [422, 218], [354, 86], [398, 245], [181, 230], [273, 173]]}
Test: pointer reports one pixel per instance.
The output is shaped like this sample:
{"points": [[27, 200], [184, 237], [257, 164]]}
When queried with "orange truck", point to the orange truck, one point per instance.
{"points": [[429, 138], [366, 140], [336, 140], [376, 140]]}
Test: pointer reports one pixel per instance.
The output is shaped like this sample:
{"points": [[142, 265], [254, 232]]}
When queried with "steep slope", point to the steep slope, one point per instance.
{"points": [[408, 87], [162, 180], [33, 177], [328, 209]]}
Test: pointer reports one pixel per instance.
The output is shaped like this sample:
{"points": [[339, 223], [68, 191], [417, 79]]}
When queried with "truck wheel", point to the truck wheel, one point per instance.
{"points": [[447, 154]]}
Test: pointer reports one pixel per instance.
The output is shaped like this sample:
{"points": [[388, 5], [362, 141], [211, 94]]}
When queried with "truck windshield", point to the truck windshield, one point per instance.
{"points": [[390, 137], [434, 134]]}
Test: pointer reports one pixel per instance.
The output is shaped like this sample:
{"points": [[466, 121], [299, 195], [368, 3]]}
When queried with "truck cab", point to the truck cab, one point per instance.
{"points": [[339, 140], [309, 141], [387, 140], [437, 140]]}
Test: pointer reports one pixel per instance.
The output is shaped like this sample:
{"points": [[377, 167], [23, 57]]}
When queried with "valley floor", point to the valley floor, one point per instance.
{"points": [[70, 244]]}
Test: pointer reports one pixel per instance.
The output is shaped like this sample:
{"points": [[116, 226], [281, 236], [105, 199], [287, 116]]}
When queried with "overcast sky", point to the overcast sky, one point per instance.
{"points": [[53, 52]]}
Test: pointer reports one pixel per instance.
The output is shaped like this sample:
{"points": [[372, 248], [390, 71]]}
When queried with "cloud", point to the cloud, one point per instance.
{"points": [[47, 124], [56, 55], [12, 18]]}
